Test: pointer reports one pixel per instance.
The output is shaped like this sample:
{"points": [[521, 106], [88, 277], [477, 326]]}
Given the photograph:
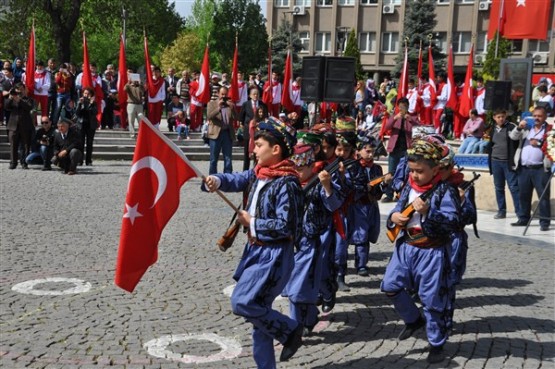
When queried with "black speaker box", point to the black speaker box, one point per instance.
{"points": [[498, 95], [312, 82], [340, 80]]}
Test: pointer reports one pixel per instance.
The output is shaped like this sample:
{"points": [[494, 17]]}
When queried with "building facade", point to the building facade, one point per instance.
{"points": [[323, 26]]}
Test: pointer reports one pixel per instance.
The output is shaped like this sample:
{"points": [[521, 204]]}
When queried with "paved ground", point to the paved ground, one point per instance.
{"points": [[56, 226]]}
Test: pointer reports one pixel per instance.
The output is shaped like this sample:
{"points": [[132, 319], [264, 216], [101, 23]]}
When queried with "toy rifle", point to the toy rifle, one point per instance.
{"points": [[227, 239], [376, 181], [408, 211], [330, 168]]}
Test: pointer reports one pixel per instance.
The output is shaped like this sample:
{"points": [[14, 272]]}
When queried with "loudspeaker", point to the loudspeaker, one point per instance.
{"points": [[340, 79], [498, 95], [312, 82]]}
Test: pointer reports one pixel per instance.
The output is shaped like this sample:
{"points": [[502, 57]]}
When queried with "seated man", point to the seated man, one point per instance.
{"points": [[474, 130], [45, 142], [67, 147]]}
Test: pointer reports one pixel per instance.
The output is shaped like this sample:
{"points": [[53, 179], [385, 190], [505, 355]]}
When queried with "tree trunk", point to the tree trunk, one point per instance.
{"points": [[64, 23]]}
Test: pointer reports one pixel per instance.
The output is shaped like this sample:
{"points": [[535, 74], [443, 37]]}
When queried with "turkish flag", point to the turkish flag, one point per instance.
{"points": [[432, 77], [122, 81], [404, 81], [267, 94], [286, 99], [234, 89], [450, 85], [203, 93], [30, 65], [159, 170], [466, 102], [86, 80], [520, 19]]}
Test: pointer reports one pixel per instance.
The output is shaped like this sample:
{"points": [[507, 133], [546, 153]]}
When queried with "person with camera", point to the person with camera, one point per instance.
{"points": [[135, 99], [220, 115], [20, 124], [86, 121], [67, 147], [44, 139], [64, 87]]}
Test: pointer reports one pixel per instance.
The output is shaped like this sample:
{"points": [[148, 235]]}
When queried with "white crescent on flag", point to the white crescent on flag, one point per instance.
{"points": [[150, 162], [201, 85]]}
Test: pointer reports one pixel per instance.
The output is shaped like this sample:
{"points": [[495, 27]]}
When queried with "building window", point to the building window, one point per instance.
{"points": [[323, 42], [482, 42], [516, 46], [305, 41], [440, 39], [367, 42], [281, 3], [305, 3], [368, 2], [464, 1], [390, 42], [324, 2], [346, 2], [392, 2], [538, 46], [461, 42], [443, 2]]}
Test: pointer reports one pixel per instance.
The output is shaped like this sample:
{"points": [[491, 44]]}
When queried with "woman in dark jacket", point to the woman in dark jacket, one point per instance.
{"points": [[86, 121]]}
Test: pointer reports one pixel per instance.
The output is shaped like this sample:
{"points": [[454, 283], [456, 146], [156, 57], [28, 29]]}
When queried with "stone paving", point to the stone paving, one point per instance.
{"points": [[57, 226]]}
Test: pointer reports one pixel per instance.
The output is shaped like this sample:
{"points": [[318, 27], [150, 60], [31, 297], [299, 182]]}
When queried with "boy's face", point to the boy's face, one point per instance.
{"points": [[305, 172], [499, 119], [421, 172], [266, 155], [344, 152], [366, 153], [328, 150]]}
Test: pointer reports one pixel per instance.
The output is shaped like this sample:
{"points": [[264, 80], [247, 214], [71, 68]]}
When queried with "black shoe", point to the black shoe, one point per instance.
{"points": [[328, 305], [520, 223], [341, 285], [24, 166], [292, 344], [544, 228], [319, 300], [89, 163], [500, 215], [363, 272], [13, 166], [410, 328], [435, 355], [46, 167]]}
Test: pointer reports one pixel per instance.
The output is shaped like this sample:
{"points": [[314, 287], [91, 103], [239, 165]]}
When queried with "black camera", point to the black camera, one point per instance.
{"points": [[14, 92], [45, 138], [225, 99]]}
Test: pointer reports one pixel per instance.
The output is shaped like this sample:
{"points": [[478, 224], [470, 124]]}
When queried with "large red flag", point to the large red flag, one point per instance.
{"points": [[86, 80], [267, 94], [496, 18], [520, 19], [286, 99], [432, 77], [122, 81], [419, 70], [203, 92], [450, 84], [404, 81], [30, 65], [159, 170], [234, 89], [466, 102]]}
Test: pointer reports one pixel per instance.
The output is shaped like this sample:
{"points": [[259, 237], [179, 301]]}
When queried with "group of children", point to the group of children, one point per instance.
{"points": [[311, 195]]}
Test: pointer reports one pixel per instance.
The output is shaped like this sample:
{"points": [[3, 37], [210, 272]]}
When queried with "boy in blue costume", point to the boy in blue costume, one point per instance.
{"points": [[320, 201], [273, 216], [419, 261], [364, 213]]}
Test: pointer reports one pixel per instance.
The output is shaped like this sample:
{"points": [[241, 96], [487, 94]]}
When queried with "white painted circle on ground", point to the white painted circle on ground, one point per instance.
{"points": [[28, 287], [229, 290], [158, 348]]}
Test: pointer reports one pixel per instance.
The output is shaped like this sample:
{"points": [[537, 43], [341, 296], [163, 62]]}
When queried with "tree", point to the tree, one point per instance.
{"points": [[283, 38], [181, 54], [351, 49], [420, 21], [490, 70]]}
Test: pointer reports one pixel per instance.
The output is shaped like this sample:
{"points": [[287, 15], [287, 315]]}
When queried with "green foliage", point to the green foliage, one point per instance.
{"points": [[491, 68], [283, 38], [420, 21], [181, 54], [351, 49]]}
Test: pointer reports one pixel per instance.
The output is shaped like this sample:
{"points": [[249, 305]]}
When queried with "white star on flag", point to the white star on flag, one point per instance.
{"points": [[132, 212], [521, 3]]}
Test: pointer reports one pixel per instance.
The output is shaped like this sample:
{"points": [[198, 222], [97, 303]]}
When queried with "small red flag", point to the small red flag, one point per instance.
{"points": [[267, 94], [466, 102], [159, 170], [203, 92], [234, 90], [404, 81], [122, 81], [30, 64], [432, 77], [287, 92], [450, 85]]}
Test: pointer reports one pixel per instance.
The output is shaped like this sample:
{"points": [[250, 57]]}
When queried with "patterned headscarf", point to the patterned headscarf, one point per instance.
{"points": [[280, 130], [303, 155], [426, 149]]}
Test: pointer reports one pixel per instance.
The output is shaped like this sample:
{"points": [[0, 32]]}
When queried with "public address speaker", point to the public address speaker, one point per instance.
{"points": [[498, 95], [329, 79]]}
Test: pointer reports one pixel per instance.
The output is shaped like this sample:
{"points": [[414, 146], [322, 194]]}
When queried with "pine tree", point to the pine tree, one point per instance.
{"points": [[490, 70], [282, 38], [351, 49], [419, 24]]}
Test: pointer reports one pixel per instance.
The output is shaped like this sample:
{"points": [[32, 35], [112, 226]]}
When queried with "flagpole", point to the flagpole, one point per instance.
{"points": [[180, 153]]}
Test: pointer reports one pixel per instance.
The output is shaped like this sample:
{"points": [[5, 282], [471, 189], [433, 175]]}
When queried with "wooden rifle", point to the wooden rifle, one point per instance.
{"points": [[376, 181], [330, 168]]}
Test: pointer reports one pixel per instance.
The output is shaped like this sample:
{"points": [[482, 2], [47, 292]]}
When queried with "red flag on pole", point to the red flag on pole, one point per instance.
{"points": [[159, 170], [86, 80], [450, 85], [496, 18], [30, 65], [234, 90], [286, 99], [267, 94], [432, 77], [466, 102], [419, 70], [520, 19], [122, 81], [153, 86], [203, 92], [404, 81]]}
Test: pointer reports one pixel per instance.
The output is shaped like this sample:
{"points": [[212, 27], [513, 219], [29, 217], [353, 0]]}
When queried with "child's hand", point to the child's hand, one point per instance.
{"points": [[244, 218], [211, 183], [420, 206], [388, 178], [325, 178], [399, 219]]}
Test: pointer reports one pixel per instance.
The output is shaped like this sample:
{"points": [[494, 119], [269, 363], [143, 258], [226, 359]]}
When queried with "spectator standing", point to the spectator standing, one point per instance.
{"points": [[64, 86], [220, 114], [135, 99], [42, 86], [156, 97], [247, 118], [18, 70], [87, 123], [6, 86], [20, 124], [51, 69], [183, 90], [196, 106]]}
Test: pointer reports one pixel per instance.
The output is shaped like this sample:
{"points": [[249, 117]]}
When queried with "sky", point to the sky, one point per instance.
{"points": [[183, 7]]}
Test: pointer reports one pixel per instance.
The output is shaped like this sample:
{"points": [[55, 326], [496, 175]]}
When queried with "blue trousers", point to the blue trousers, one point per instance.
{"points": [[221, 144], [528, 180], [393, 160], [467, 146], [362, 252], [327, 259], [45, 153], [502, 174]]}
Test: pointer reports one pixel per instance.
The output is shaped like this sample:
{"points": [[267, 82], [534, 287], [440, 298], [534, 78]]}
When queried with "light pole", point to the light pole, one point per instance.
{"points": [[124, 17]]}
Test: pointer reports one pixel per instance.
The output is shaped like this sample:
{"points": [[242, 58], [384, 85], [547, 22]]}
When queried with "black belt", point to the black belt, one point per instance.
{"points": [[535, 166]]}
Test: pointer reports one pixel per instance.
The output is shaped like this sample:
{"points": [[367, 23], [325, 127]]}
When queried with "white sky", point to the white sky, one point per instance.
{"points": [[183, 7]]}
